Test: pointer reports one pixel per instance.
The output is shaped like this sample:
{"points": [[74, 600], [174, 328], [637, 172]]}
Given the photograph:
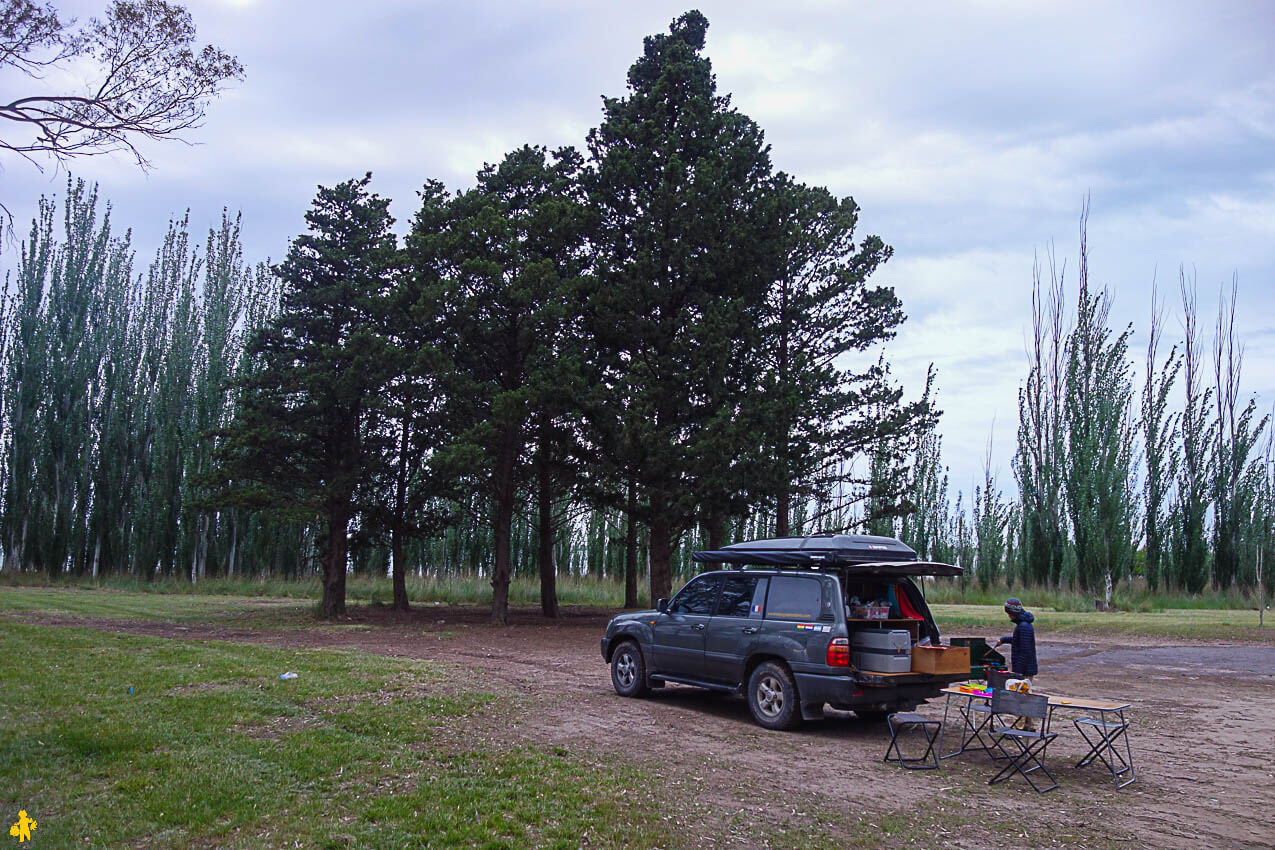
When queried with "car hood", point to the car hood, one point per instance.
{"points": [[633, 616]]}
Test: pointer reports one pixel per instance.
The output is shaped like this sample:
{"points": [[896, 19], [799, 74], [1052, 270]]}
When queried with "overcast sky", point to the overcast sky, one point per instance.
{"points": [[968, 132]]}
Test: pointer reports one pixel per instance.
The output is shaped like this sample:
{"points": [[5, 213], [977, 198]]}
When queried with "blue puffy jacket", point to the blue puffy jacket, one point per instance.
{"points": [[1023, 646]]}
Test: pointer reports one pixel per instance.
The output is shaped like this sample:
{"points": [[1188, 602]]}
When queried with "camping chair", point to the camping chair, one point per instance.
{"points": [[930, 728], [978, 716], [1028, 755]]}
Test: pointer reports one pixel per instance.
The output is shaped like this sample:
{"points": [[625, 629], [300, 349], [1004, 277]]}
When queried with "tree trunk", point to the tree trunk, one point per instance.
{"points": [[399, 567], [781, 513], [548, 571], [501, 527], [661, 543], [631, 548], [716, 532], [334, 562]]}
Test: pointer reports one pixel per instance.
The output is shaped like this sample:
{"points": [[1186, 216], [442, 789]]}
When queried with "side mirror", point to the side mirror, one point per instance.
{"points": [[661, 605]]}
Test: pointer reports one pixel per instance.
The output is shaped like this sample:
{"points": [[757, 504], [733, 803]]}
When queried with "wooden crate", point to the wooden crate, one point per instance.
{"points": [[941, 659]]}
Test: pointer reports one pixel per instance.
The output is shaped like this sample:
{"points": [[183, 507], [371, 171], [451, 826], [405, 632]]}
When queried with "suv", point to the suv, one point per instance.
{"points": [[778, 627]]}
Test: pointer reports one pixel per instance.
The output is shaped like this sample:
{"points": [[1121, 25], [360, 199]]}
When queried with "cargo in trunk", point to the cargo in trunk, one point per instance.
{"points": [[893, 641], [881, 662], [941, 659]]}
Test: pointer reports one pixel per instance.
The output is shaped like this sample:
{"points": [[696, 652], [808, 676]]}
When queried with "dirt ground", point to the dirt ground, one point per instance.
{"points": [[1203, 735]]}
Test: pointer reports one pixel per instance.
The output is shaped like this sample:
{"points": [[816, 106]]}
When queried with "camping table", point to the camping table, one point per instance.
{"points": [[1108, 728]]}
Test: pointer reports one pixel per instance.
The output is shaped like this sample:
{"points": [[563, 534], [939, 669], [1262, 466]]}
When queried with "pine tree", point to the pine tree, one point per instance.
{"points": [[308, 428], [686, 254], [512, 251]]}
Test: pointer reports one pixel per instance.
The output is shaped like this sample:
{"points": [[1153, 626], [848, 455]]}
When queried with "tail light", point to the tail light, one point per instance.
{"points": [[838, 653]]}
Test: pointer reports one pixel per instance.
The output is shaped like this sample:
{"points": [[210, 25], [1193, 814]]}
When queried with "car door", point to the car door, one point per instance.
{"points": [[799, 619], [732, 633], [677, 638]]}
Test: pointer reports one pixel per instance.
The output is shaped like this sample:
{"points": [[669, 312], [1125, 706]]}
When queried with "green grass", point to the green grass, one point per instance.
{"points": [[1127, 597], [456, 590], [212, 749], [1193, 624]]}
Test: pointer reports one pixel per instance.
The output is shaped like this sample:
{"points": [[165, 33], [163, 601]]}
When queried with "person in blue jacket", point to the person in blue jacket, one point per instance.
{"points": [[1022, 659]]}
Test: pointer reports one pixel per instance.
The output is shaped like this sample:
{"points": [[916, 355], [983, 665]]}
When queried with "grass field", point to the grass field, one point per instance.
{"points": [[281, 613], [211, 748]]}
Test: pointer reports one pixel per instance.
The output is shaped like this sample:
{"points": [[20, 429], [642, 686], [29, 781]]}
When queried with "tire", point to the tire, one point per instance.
{"points": [[772, 697], [628, 670]]}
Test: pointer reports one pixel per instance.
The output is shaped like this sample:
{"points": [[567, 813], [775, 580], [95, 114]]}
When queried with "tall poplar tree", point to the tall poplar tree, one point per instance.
{"points": [[1160, 443], [1097, 412], [308, 429]]}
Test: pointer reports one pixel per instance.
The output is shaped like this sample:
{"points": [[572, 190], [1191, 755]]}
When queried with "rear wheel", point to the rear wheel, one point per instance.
{"points": [[772, 697], [628, 670]]}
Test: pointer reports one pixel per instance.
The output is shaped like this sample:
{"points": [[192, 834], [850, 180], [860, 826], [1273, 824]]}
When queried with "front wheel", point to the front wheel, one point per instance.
{"points": [[772, 697], [628, 671]]}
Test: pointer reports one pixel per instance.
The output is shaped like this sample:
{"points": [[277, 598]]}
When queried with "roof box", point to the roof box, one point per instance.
{"points": [[859, 554]]}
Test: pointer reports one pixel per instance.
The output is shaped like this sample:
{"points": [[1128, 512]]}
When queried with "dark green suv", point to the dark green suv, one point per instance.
{"points": [[790, 625]]}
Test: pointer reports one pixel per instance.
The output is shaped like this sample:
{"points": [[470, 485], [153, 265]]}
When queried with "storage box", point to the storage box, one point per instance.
{"points": [[893, 641], [878, 612], [880, 662], [941, 659]]}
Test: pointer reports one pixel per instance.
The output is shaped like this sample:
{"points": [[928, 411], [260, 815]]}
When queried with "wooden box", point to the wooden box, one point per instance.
{"points": [[941, 659]]}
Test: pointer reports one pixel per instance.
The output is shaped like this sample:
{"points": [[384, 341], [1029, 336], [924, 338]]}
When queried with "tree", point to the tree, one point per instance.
{"points": [[1100, 437], [1195, 473], [686, 254], [991, 518], [1039, 462], [309, 427], [1236, 435], [815, 406], [147, 78], [511, 255], [1159, 439]]}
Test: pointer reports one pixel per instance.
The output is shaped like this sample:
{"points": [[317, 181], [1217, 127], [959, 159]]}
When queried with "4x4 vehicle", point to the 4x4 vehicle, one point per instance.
{"points": [[778, 627]]}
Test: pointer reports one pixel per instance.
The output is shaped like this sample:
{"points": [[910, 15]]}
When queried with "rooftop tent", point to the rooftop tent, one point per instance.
{"points": [[854, 554]]}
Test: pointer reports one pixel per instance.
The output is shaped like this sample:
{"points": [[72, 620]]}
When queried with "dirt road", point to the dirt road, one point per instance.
{"points": [[1203, 735]]}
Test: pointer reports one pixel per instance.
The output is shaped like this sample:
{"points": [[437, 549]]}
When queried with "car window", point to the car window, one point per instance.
{"points": [[794, 598], [737, 596], [697, 597]]}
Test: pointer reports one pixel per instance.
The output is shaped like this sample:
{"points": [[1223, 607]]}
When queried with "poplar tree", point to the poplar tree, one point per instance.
{"points": [[1100, 439], [1195, 473], [309, 426], [1160, 443], [1039, 461], [1236, 435]]}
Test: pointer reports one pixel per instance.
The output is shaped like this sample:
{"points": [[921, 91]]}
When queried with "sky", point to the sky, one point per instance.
{"points": [[970, 134]]}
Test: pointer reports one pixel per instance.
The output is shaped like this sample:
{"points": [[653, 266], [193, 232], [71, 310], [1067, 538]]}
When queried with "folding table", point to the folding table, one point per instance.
{"points": [[1103, 734]]}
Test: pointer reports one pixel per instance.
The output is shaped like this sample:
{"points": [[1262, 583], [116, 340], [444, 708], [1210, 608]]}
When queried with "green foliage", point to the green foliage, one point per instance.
{"points": [[308, 426], [1100, 435], [679, 181], [1161, 447]]}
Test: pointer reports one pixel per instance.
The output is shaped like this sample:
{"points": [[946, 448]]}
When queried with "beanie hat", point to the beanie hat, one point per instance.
{"points": [[1013, 607]]}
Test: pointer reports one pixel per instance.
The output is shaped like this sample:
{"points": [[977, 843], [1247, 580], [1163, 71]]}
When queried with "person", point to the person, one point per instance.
{"points": [[1022, 658]]}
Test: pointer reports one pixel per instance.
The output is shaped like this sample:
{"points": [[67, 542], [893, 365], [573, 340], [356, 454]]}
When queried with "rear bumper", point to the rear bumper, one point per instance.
{"points": [[868, 689]]}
